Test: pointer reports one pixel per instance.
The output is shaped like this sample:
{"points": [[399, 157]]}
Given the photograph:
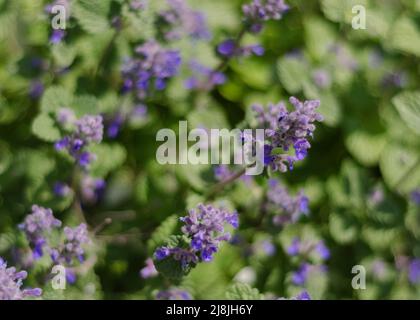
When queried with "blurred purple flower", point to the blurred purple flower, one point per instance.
{"points": [[259, 11], [149, 270], [36, 89], [150, 69], [173, 294]]}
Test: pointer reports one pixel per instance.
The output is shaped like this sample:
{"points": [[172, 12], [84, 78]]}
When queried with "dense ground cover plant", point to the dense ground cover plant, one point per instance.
{"points": [[80, 186]]}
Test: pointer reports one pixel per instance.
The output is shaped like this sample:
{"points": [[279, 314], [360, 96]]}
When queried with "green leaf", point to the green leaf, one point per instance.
{"points": [[317, 284], [319, 36], [292, 74], [366, 147], [330, 108], [405, 36], [109, 157], [92, 14], [400, 167], [44, 128], [163, 232], [242, 291], [85, 104], [54, 98], [253, 73], [343, 227], [63, 54], [408, 106], [379, 238], [340, 11]]}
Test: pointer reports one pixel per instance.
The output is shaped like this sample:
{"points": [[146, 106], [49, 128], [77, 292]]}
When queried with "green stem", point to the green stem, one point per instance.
{"points": [[221, 185]]}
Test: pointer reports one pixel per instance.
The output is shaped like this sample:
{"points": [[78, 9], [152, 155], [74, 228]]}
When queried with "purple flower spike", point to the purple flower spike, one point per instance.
{"points": [[173, 294], [11, 282], [151, 69], [286, 129], [36, 226], [72, 249], [205, 227], [88, 129], [259, 11]]}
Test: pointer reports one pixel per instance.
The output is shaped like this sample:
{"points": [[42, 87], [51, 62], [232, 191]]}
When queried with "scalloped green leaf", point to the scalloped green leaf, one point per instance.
{"points": [[366, 147], [292, 74], [92, 14], [400, 167], [404, 36], [242, 291], [44, 128], [54, 98], [408, 106], [108, 158], [343, 227]]}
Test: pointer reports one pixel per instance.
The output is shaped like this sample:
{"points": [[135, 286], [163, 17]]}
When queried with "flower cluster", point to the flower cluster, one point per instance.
{"points": [[180, 19], [415, 196], [204, 78], [71, 249], [288, 209], [414, 271], [173, 294], [149, 271], [36, 89], [205, 227], [259, 11], [322, 78], [304, 249], [36, 225], [286, 129], [151, 69], [229, 49], [11, 282], [91, 189], [410, 267], [88, 129], [138, 4]]}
